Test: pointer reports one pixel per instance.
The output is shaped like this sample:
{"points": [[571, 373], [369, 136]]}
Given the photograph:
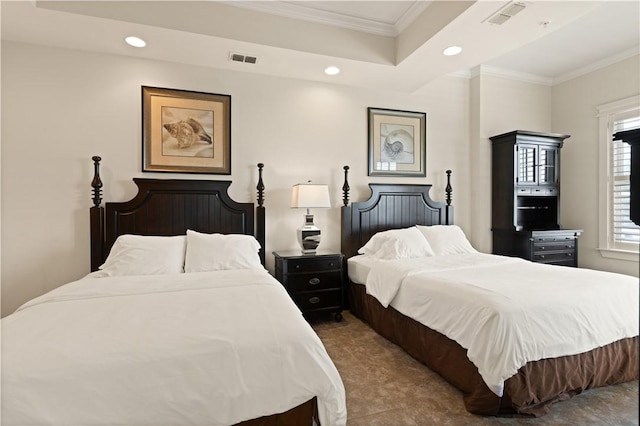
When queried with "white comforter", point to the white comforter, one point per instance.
{"points": [[507, 311], [212, 348]]}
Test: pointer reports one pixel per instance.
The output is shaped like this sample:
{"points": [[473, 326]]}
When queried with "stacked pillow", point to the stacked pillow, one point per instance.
{"points": [[194, 252], [418, 241], [397, 244], [217, 252], [446, 239]]}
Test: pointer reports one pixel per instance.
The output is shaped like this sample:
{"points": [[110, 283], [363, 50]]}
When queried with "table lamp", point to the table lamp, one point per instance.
{"points": [[309, 195]]}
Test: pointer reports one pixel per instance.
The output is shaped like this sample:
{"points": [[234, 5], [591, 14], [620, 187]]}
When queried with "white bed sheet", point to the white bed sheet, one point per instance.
{"points": [[507, 311], [212, 348]]}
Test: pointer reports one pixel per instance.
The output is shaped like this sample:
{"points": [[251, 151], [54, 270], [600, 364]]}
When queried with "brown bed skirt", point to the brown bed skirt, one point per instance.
{"points": [[530, 392], [303, 414]]}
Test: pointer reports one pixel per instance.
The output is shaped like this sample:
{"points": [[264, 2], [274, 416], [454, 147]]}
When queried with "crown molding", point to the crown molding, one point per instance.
{"points": [[510, 75], [410, 15], [297, 11], [626, 54]]}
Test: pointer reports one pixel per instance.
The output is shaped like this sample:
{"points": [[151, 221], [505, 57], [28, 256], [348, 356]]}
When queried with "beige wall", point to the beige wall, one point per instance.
{"points": [[574, 112], [499, 105], [60, 107]]}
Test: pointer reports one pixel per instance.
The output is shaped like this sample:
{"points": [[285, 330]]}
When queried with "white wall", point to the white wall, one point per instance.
{"points": [[574, 112], [498, 106], [60, 107]]}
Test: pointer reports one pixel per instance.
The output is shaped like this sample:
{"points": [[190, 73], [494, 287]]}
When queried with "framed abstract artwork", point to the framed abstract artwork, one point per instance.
{"points": [[185, 131], [397, 143]]}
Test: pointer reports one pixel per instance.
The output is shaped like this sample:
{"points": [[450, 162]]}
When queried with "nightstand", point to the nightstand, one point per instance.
{"points": [[315, 282]]}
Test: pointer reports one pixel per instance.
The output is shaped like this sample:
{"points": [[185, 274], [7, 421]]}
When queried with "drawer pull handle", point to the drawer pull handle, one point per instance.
{"points": [[297, 266], [542, 256], [314, 281], [541, 247], [569, 254], [330, 263], [314, 300]]}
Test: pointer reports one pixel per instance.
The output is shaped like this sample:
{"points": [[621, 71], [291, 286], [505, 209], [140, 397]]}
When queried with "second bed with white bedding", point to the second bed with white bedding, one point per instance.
{"points": [[473, 298]]}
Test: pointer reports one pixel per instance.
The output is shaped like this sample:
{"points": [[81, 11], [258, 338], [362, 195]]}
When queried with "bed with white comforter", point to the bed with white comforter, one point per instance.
{"points": [[512, 335], [213, 348], [506, 312]]}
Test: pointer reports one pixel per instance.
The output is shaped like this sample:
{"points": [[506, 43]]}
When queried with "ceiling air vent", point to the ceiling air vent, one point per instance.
{"points": [[239, 57], [506, 13]]}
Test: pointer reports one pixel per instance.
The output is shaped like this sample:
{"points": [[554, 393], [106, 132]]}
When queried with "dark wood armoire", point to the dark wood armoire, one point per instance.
{"points": [[525, 189]]}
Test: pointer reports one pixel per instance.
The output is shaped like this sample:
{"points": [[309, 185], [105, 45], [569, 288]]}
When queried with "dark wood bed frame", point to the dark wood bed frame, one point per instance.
{"points": [[168, 207], [536, 385], [390, 206]]}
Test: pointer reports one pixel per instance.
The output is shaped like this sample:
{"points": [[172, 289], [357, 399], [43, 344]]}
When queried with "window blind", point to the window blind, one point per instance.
{"points": [[623, 229]]}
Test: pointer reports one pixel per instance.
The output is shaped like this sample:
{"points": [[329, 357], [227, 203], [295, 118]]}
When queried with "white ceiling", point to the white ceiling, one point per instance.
{"points": [[391, 44]]}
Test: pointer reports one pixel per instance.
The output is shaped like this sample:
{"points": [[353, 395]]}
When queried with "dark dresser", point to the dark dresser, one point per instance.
{"points": [[525, 199], [315, 282]]}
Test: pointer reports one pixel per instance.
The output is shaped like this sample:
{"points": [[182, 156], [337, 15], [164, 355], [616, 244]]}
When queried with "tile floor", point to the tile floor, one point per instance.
{"points": [[385, 386]]}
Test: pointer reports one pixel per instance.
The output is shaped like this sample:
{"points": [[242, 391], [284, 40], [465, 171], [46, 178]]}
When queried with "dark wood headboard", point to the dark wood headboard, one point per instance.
{"points": [[169, 207], [390, 206]]}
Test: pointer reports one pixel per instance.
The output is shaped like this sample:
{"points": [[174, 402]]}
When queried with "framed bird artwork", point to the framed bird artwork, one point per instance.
{"points": [[185, 131]]}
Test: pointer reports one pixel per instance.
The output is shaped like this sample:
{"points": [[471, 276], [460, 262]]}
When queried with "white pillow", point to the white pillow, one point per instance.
{"points": [[446, 239], [216, 252], [145, 255], [397, 244]]}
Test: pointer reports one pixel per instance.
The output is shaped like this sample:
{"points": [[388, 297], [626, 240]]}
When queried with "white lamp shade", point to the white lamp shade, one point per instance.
{"points": [[308, 195]]}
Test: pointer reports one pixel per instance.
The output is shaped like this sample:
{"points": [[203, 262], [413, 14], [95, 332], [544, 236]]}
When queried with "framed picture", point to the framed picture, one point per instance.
{"points": [[185, 132], [397, 143]]}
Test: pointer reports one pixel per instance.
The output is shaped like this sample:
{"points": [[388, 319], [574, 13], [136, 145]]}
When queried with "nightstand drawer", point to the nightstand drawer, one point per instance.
{"points": [[316, 300], [311, 265], [314, 281]]}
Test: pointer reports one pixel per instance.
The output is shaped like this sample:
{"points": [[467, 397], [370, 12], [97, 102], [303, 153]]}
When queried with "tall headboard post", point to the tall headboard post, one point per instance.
{"points": [[345, 186], [260, 215], [449, 209], [96, 217], [345, 212]]}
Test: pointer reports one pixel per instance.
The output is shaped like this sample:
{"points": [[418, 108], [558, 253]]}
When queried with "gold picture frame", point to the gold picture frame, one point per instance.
{"points": [[397, 143], [185, 131]]}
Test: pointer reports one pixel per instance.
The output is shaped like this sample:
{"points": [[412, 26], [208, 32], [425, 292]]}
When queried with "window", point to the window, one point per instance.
{"points": [[624, 230], [619, 237]]}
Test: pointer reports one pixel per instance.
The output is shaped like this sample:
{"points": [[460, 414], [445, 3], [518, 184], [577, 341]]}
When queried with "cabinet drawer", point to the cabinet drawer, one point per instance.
{"points": [[524, 191], [554, 239], [537, 190], [314, 300], [554, 257], [544, 191], [313, 281], [546, 246], [311, 265]]}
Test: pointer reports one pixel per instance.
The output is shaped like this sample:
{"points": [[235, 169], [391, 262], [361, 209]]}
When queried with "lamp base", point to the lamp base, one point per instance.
{"points": [[309, 236]]}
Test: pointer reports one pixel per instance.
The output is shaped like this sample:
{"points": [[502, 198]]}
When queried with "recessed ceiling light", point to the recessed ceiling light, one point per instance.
{"points": [[452, 50], [135, 41], [332, 70]]}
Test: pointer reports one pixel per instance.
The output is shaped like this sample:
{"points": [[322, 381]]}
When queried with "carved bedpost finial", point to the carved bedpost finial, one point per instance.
{"points": [[345, 187], [96, 183], [448, 189], [260, 186]]}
